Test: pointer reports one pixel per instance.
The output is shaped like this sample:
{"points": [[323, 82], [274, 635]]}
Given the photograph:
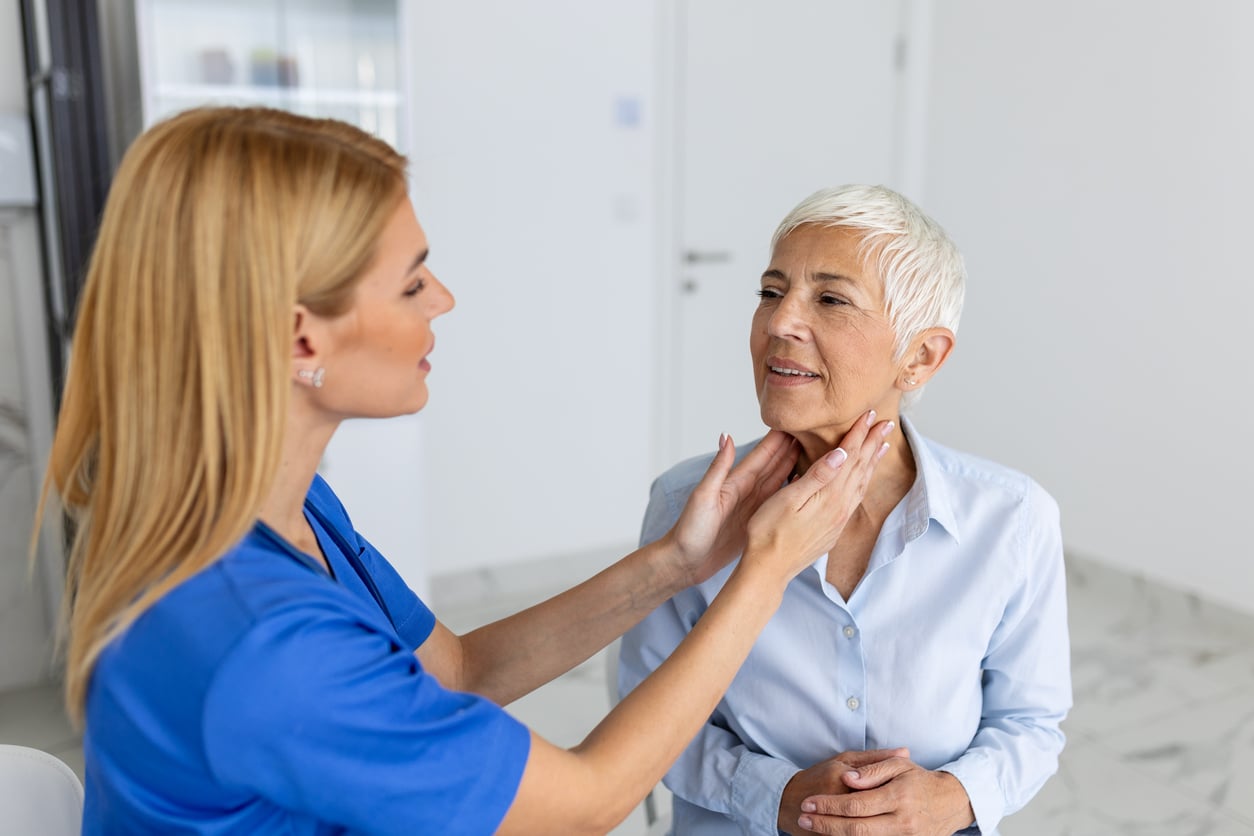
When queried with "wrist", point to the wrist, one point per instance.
{"points": [[789, 803], [957, 802], [767, 566], [667, 568]]}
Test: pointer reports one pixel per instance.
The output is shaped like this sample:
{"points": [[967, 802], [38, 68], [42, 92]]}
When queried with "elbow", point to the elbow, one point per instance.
{"points": [[602, 821]]}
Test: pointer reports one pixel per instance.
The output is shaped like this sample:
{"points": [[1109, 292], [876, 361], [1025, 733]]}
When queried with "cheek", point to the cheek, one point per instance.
{"points": [[757, 335], [757, 353]]}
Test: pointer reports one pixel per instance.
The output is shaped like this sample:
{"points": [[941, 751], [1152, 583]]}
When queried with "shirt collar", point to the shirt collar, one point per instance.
{"points": [[929, 498]]}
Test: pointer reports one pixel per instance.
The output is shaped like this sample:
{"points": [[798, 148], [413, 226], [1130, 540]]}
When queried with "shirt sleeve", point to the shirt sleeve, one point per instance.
{"points": [[324, 715], [1026, 679], [717, 771]]}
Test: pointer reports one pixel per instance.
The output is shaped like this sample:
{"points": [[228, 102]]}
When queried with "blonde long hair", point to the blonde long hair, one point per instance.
{"points": [[218, 222]]}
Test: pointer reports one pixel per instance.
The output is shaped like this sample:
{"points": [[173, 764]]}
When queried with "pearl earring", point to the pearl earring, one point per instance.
{"points": [[910, 381], [314, 377]]}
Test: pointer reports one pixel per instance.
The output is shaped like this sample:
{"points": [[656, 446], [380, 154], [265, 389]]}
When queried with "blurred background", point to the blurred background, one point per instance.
{"points": [[599, 182]]}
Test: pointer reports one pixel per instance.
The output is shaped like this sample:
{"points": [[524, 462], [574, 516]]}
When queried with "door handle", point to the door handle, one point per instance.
{"points": [[707, 257]]}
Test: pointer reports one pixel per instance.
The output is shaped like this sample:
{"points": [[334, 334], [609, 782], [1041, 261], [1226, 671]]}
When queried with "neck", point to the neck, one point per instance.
{"points": [[894, 474], [304, 441]]}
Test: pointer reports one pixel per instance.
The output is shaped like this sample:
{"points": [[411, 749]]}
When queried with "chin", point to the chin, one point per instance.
{"points": [[791, 424]]}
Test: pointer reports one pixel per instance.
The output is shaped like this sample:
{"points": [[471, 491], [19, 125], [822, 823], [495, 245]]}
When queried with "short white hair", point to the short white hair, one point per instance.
{"points": [[924, 277]]}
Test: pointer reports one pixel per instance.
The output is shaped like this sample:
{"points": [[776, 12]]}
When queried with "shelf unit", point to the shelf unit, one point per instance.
{"points": [[317, 57]]}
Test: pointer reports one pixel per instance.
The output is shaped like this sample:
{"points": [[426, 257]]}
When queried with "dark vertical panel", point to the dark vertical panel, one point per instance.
{"points": [[69, 79], [80, 133]]}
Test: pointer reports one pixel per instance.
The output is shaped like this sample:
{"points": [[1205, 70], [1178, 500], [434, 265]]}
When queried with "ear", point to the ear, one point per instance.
{"points": [[928, 351], [308, 337]]}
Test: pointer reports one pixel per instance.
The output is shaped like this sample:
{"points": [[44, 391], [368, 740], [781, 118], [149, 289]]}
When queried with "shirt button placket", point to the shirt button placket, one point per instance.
{"points": [[855, 680]]}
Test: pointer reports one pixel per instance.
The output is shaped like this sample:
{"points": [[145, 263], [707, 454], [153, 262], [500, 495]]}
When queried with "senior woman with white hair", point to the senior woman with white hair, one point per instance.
{"points": [[938, 622]]}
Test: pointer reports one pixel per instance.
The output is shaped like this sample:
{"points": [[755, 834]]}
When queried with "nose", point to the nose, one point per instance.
{"points": [[442, 300], [789, 319]]}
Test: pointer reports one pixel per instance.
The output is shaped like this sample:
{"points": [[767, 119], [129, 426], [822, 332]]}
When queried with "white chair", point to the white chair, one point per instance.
{"points": [[39, 794], [657, 822]]}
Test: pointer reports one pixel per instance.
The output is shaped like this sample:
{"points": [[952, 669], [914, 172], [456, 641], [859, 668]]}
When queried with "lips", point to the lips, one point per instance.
{"points": [[786, 368]]}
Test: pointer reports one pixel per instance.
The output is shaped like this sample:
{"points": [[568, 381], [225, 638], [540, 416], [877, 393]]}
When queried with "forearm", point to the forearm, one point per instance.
{"points": [[654, 723], [628, 752], [509, 658]]}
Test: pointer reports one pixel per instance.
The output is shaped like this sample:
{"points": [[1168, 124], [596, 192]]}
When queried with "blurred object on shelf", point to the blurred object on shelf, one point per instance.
{"points": [[264, 67], [269, 69], [287, 72], [216, 66]]}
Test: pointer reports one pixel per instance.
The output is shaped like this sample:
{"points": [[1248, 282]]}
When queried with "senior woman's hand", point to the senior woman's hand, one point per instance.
{"points": [[891, 797], [711, 529], [825, 778]]}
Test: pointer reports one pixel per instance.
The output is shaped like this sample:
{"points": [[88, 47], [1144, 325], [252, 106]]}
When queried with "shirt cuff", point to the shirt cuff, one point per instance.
{"points": [[975, 772], [757, 787]]}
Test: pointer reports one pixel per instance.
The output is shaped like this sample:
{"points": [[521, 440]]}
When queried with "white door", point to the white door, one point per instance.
{"points": [[776, 98]]}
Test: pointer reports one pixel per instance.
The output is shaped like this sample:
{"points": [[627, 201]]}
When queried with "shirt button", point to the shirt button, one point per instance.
{"points": [[850, 632], [853, 703]]}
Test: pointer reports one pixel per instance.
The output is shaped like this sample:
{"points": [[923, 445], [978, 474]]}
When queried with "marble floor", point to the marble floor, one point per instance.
{"points": [[1161, 740]]}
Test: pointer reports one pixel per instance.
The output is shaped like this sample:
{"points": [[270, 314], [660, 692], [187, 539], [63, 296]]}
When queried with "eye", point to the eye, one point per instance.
{"points": [[416, 287], [829, 299], [769, 293]]}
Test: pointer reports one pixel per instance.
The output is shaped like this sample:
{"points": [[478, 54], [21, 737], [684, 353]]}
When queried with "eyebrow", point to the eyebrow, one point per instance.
{"points": [[417, 262], [814, 277]]}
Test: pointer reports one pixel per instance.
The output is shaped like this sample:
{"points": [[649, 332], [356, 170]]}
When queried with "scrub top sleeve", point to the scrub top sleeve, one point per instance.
{"points": [[322, 714], [414, 620]]}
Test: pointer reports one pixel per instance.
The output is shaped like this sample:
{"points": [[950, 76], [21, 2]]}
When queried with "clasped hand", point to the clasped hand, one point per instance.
{"points": [[874, 793]]}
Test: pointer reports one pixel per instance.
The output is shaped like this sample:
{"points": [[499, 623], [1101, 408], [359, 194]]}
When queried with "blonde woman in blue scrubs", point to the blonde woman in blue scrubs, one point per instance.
{"points": [[243, 659]]}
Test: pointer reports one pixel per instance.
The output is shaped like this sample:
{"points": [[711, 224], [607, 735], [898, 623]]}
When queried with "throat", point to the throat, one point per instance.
{"points": [[848, 560]]}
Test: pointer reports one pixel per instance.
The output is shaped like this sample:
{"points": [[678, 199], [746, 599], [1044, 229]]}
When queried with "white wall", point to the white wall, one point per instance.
{"points": [[12, 68], [1093, 161], [532, 150]]}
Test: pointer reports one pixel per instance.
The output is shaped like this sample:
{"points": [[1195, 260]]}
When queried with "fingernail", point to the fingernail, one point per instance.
{"points": [[870, 418], [883, 450], [722, 440], [836, 458], [808, 807], [852, 775], [805, 822], [888, 428]]}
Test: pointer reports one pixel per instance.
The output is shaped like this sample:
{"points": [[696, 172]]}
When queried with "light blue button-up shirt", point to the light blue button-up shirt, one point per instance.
{"points": [[954, 643]]}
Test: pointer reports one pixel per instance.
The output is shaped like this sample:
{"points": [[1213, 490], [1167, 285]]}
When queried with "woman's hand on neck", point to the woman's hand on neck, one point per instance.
{"points": [[897, 464]]}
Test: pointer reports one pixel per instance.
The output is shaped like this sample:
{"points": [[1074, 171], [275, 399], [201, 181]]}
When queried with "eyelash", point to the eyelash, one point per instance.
{"points": [[772, 293], [414, 291]]}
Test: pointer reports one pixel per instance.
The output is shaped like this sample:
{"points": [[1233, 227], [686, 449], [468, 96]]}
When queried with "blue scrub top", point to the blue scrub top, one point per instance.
{"points": [[263, 696]]}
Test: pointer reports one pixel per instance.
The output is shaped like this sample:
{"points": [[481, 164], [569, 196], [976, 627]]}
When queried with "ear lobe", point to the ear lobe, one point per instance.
{"points": [[932, 348]]}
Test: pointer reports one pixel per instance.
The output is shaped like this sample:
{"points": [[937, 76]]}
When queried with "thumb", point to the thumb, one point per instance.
{"points": [[820, 474], [720, 465], [716, 474]]}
